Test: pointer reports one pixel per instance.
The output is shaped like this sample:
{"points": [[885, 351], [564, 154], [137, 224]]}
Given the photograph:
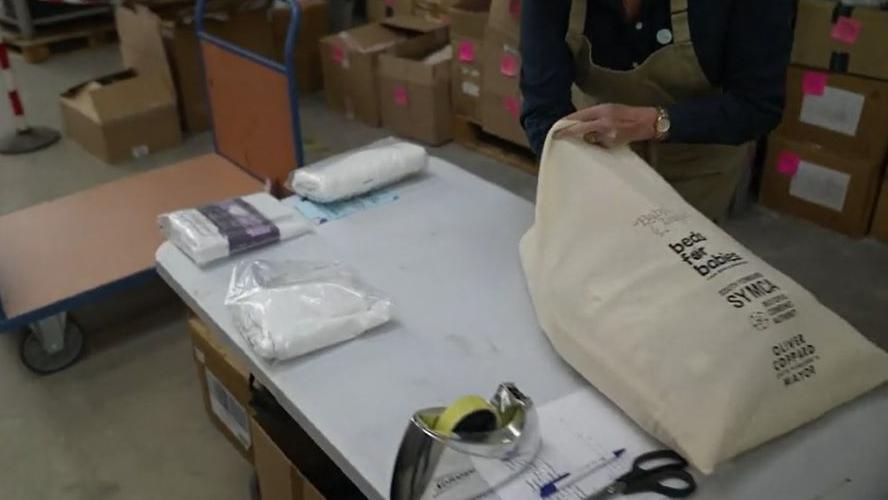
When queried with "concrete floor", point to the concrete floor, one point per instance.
{"points": [[127, 421]]}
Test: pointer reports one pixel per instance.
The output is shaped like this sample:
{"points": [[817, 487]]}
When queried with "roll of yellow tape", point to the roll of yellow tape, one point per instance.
{"points": [[468, 414]]}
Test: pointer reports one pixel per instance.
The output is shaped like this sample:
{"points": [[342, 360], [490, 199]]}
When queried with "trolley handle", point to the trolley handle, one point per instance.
{"points": [[289, 43]]}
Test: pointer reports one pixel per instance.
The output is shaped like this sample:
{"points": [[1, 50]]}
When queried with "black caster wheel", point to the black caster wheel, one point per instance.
{"points": [[35, 357]]}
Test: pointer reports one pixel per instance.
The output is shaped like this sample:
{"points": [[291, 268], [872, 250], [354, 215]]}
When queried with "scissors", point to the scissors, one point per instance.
{"points": [[670, 467]]}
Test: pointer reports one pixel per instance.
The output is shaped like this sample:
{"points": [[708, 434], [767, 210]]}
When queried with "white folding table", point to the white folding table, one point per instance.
{"points": [[447, 253]]}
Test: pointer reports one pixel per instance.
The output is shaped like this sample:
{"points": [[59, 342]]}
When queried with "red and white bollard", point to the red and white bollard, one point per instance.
{"points": [[25, 138]]}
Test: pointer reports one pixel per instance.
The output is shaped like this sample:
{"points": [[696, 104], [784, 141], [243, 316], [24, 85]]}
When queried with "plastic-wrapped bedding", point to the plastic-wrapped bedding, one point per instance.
{"points": [[217, 230], [290, 308], [358, 172]]}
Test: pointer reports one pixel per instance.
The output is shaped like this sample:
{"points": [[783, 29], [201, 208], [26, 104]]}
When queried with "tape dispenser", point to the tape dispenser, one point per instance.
{"points": [[442, 447]]}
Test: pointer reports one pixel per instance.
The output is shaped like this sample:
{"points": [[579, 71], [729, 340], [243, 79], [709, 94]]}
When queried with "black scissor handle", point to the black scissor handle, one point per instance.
{"points": [[662, 459], [665, 465], [656, 481]]}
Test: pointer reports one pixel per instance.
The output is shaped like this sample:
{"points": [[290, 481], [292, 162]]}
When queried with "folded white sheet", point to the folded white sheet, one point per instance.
{"points": [[359, 172], [215, 231]]}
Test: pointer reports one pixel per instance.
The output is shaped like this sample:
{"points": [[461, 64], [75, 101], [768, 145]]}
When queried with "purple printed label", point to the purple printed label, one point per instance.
{"points": [[242, 225]]}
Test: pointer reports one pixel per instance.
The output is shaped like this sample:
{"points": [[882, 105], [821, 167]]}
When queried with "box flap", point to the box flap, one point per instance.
{"points": [[412, 23], [123, 98], [80, 98], [141, 43], [469, 17], [366, 39]]}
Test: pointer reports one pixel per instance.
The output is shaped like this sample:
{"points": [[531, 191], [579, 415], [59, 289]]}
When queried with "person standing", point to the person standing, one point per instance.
{"points": [[688, 83]]}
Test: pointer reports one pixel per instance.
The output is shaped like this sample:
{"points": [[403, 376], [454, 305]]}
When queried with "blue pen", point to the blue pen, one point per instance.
{"points": [[570, 478]]}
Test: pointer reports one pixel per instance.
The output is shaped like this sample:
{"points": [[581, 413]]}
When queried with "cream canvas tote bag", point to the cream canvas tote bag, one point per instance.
{"points": [[703, 344]]}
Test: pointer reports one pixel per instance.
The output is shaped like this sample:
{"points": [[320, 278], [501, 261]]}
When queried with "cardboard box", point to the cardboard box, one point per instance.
{"points": [[505, 17], [841, 38], [315, 25], [437, 10], [225, 387], [835, 190], [121, 116], [502, 62], [843, 113], [501, 99], [468, 20], [127, 114], [180, 50], [278, 478], [349, 60], [879, 228], [500, 116], [414, 91], [377, 10]]}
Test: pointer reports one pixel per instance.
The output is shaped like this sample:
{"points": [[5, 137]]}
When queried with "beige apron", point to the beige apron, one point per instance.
{"points": [[706, 175]]}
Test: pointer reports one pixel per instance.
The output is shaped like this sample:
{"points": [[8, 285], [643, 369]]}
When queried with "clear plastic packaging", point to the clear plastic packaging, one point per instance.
{"points": [[290, 308], [351, 174], [215, 231]]}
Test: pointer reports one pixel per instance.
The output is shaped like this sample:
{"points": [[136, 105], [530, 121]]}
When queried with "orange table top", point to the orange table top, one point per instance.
{"points": [[79, 243]]}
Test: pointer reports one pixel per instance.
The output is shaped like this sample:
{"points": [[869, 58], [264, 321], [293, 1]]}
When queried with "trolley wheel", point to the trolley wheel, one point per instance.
{"points": [[35, 357]]}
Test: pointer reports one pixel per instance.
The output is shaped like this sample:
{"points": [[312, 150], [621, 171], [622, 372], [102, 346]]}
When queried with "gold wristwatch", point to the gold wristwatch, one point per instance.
{"points": [[662, 125]]}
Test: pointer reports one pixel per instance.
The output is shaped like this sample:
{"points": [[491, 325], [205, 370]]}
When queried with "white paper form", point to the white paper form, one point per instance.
{"points": [[577, 429], [837, 110]]}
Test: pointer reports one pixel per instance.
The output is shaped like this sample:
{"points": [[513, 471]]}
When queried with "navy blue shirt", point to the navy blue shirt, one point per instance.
{"points": [[743, 47]]}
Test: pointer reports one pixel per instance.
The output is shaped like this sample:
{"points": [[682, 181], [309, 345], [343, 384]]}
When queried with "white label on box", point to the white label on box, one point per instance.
{"points": [[820, 185], [471, 88], [140, 151], [837, 110], [229, 411], [470, 72]]}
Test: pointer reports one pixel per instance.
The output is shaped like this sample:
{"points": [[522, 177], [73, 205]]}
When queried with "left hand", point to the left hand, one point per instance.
{"points": [[612, 125]]}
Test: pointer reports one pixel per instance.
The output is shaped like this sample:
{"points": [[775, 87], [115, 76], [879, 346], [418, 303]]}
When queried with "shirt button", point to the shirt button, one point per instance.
{"points": [[664, 36], [639, 26]]}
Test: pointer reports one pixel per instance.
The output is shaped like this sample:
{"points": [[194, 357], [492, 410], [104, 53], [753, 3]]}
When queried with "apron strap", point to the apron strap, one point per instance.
{"points": [[681, 31], [576, 31]]}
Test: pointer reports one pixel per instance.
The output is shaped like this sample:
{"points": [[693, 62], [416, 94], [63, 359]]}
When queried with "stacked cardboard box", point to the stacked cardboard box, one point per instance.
{"points": [[278, 477], [414, 89], [377, 10], [350, 63], [437, 10], [314, 25], [225, 387], [501, 96], [825, 161], [468, 20]]}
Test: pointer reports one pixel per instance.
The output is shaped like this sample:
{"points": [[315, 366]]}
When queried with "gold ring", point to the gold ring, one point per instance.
{"points": [[591, 137]]}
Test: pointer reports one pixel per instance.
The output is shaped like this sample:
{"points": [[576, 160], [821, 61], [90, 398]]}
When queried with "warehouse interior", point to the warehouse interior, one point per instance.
{"points": [[130, 415]]}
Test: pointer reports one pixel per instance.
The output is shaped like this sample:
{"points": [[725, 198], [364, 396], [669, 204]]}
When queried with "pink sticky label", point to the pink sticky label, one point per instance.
{"points": [[788, 163], [466, 51], [846, 30], [513, 106], [814, 82], [338, 53], [509, 65], [400, 95], [515, 9]]}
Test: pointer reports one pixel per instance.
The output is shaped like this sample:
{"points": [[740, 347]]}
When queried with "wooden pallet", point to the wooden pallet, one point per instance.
{"points": [[76, 36], [470, 134]]}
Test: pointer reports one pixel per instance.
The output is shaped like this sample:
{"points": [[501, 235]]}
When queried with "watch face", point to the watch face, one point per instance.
{"points": [[663, 125]]}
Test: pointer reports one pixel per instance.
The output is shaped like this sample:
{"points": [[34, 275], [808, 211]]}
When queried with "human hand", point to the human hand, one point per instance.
{"points": [[612, 125]]}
